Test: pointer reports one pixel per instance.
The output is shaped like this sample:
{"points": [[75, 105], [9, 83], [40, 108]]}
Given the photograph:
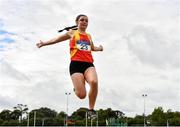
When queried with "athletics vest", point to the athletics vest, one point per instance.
{"points": [[80, 47]]}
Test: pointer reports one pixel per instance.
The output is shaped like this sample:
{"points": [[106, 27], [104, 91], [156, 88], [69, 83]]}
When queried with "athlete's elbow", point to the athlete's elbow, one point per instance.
{"points": [[93, 49]]}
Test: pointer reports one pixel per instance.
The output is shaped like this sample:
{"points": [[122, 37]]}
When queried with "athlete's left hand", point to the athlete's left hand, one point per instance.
{"points": [[100, 48]]}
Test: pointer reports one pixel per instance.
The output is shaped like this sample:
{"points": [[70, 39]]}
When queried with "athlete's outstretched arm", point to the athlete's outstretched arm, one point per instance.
{"points": [[95, 48], [55, 40]]}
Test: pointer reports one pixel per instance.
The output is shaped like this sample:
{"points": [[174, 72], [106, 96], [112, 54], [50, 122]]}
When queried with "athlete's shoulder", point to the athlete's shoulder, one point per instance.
{"points": [[87, 33], [89, 36], [71, 32]]}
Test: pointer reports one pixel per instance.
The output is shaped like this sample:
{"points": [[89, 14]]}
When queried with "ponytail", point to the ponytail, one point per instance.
{"points": [[68, 28], [72, 27]]}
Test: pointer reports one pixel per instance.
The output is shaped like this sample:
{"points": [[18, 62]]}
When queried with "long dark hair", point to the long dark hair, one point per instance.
{"points": [[68, 28], [74, 27]]}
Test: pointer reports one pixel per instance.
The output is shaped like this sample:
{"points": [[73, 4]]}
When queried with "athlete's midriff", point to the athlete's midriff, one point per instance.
{"points": [[82, 56], [80, 49]]}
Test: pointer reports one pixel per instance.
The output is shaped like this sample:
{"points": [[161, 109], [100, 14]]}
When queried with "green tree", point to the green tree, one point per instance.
{"points": [[12, 123], [158, 117], [102, 114], [80, 114], [5, 123], [138, 120], [59, 120], [43, 112], [61, 115], [1, 121], [23, 109], [5, 115], [174, 121], [15, 114], [43, 115]]}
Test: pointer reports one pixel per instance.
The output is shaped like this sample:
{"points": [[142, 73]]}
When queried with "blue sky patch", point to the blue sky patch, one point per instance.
{"points": [[7, 40], [1, 48], [3, 32]]}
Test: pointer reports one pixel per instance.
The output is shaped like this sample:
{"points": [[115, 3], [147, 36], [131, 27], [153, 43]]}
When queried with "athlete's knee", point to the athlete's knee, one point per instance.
{"points": [[81, 95], [94, 86], [93, 83]]}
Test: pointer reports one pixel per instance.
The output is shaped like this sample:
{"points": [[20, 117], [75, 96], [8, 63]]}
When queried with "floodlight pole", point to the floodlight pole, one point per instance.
{"points": [[67, 108], [144, 96]]}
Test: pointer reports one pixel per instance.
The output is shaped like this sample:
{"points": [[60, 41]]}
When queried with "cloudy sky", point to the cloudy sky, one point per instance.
{"points": [[141, 53]]}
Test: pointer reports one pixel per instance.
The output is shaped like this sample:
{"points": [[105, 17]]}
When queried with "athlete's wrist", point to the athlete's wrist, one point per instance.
{"points": [[100, 48]]}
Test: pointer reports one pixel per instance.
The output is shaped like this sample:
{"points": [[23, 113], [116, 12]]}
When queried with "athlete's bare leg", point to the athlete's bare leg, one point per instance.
{"points": [[79, 85], [92, 79]]}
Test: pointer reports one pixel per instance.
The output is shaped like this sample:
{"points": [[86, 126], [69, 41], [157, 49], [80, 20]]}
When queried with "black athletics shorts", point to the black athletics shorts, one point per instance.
{"points": [[79, 67]]}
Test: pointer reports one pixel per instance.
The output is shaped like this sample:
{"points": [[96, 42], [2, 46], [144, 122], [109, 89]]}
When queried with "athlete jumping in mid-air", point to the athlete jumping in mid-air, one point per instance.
{"points": [[81, 67]]}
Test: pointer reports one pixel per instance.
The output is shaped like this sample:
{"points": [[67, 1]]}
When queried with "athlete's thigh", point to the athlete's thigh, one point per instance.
{"points": [[78, 81], [91, 75]]}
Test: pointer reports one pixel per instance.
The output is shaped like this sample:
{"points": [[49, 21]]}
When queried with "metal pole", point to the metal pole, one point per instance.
{"points": [[64, 121], [34, 118], [43, 121], [28, 120], [67, 108], [91, 122], [86, 119], [97, 119], [19, 121], [144, 96]]}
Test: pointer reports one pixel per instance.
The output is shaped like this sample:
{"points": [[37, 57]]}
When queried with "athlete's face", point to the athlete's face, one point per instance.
{"points": [[83, 22]]}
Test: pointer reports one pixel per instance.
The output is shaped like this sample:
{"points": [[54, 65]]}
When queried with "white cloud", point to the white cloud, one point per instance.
{"points": [[151, 47]]}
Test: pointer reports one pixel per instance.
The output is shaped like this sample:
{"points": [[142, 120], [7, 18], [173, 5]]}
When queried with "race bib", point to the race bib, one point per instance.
{"points": [[83, 45]]}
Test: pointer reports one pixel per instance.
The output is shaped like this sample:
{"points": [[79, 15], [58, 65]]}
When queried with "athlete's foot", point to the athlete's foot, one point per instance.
{"points": [[91, 114]]}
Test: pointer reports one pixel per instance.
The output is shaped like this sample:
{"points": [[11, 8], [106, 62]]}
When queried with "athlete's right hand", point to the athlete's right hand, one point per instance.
{"points": [[40, 44]]}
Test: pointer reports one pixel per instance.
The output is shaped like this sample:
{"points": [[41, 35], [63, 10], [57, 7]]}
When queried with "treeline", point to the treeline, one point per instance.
{"points": [[20, 116]]}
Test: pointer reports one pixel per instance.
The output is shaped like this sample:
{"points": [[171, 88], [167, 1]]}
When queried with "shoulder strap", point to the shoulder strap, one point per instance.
{"points": [[76, 38], [76, 35]]}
